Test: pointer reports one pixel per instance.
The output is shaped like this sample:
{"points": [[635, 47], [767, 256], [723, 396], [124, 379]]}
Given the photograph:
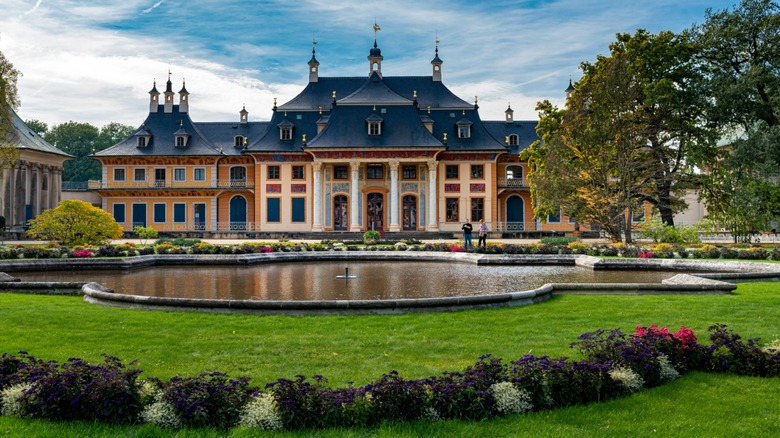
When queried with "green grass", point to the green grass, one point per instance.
{"points": [[362, 348]]}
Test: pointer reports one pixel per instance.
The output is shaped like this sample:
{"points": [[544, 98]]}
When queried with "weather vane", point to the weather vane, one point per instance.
{"points": [[376, 28]]}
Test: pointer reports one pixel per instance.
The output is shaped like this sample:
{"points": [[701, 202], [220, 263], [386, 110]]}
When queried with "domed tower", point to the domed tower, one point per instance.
{"points": [[375, 56], [184, 100], [168, 107], [436, 63], [569, 89], [313, 65], [154, 98]]}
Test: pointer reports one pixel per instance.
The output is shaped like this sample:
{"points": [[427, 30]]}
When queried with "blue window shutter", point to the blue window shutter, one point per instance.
{"points": [[273, 210], [159, 212], [298, 210], [179, 212], [119, 213]]}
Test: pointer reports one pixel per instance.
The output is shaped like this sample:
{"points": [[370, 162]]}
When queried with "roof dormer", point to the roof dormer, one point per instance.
{"points": [[143, 137], [464, 127], [181, 137], [286, 128], [374, 122]]}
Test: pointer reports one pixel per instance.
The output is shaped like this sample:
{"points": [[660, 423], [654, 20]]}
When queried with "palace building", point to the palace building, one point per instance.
{"points": [[348, 154]]}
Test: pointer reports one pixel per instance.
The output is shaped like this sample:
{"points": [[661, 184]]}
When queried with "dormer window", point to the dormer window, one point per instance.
{"points": [[464, 128], [143, 137], [286, 130], [513, 140], [239, 141], [374, 123], [181, 137]]}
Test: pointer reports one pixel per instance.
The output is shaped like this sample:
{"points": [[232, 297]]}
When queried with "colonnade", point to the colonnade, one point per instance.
{"points": [[27, 189]]}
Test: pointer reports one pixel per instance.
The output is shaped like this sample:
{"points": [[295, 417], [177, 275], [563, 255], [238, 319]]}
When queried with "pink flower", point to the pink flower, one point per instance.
{"points": [[687, 336], [82, 253]]}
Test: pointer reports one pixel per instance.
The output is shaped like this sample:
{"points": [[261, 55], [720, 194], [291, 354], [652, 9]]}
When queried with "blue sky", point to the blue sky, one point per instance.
{"points": [[94, 61]]}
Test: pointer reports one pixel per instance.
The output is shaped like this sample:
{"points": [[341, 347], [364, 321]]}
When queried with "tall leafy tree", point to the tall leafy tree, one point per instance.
{"points": [[82, 140], [9, 101], [740, 54], [635, 125], [37, 126]]}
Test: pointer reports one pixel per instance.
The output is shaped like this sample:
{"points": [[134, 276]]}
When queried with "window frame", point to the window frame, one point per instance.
{"points": [[195, 173], [455, 167], [139, 171], [273, 172], [477, 208], [405, 175], [124, 212], [375, 171], [298, 172], [295, 204], [123, 171], [180, 171], [156, 212], [337, 170], [477, 171], [452, 210]]}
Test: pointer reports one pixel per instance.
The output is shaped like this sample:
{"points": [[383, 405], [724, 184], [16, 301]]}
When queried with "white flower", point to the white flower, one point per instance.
{"points": [[431, 414], [773, 348], [511, 400], [161, 413], [9, 400], [627, 377], [667, 370], [261, 412]]}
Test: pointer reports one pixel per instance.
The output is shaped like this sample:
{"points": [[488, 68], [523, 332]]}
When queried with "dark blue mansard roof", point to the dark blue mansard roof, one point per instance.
{"points": [[524, 129]]}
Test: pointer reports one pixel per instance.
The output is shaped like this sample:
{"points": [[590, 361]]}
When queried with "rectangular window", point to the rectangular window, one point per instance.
{"points": [[119, 213], [375, 171], [464, 131], [285, 134], [452, 209], [159, 213], [409, 172], [477, 171], [477, 209], [139, 175], [374, 128], [555, 218], [159, 177], [119, 174], [340, 172], [272, 210], [273, 172], [299, 209], [179, 174], [199, 174], [452, 171], [298, 172], [179, 213]]}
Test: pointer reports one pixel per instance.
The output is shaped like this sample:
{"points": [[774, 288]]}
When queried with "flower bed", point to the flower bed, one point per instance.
{"points": [[614, 364]]}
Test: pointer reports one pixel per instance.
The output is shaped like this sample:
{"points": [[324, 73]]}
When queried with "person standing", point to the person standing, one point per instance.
{"points": [[467, 229], [483, 230]]}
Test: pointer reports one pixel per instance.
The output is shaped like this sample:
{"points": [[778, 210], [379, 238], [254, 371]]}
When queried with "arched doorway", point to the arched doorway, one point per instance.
{"points": [[238, 213], [340, 212], [409, 213], [515, 213], [375, 211]]}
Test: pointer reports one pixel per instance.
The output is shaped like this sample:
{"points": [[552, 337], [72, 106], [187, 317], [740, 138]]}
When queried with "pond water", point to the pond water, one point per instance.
{"points": [[318, 280]]}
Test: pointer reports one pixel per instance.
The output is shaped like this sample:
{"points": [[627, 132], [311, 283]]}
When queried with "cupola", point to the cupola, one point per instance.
{"points": [[375, 56], [243, 115], [154, 98], [313, 65], [569, 89], [509, 113], [184, 101], [436, 63], [169, 95]]}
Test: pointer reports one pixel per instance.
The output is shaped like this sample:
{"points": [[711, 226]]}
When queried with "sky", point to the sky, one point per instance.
{"points": [[95, 61]]}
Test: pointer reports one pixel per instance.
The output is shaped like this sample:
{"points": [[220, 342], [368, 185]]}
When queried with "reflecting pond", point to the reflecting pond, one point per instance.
{"points": [[318, 280]]}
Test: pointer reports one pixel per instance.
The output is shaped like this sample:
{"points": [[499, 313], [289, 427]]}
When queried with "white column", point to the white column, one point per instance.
{"points": [[433, 223], [214, 202], [317, 207], [354, 206], [50, 184], [394, 207], [36, 196]]}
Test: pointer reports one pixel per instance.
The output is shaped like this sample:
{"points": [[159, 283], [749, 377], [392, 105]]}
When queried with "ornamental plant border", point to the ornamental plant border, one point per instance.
{"points": [[613, 365]]}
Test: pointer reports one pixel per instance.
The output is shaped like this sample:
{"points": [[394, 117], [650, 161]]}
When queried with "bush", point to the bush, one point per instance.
{"points": [[75, 222], [371, 236], [559, 240], [145, 233], [210, 399]]}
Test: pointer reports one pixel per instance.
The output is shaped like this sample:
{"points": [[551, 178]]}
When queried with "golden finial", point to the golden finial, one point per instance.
{"points": [[334, 95], [320, 109], [374, 107], [475, 100], [376, 29], [415, 94], [445, 136], [429, 109], [464, 113], [245, 140], [181, 123], [304, 138], [285, 114], [274, 101], [506, 139]]}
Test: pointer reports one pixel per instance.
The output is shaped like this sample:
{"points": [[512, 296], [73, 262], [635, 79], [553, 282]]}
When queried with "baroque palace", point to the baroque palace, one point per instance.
{"points": [[373, 152]]}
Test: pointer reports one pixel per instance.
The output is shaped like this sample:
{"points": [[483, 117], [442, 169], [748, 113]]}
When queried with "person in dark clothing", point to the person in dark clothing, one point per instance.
{"points": [[483, 230], [467, 229]]}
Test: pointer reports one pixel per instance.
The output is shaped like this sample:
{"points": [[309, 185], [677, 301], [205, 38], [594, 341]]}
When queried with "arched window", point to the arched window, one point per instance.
{"points": [[513, 140], [514, 172]]}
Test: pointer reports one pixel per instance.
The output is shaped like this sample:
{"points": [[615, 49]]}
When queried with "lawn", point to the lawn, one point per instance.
{"points": [[361, 348]]}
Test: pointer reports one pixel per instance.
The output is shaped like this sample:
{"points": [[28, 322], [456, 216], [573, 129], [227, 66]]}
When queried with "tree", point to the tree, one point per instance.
{"points": [[632, 132], [587, 161], [75, 222], [9, 101], [82, 140], [37, 126], [740, 56]]}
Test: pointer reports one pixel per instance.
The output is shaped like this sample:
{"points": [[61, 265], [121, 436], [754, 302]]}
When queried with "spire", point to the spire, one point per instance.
{"points": [[313, 64], [169, 94], [436, 63], [184, 102], [154, 98], [569, 89], [375, 55]]}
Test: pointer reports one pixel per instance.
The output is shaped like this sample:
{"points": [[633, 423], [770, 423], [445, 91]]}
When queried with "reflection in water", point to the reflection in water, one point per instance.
{"points": [[317, 280]]}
